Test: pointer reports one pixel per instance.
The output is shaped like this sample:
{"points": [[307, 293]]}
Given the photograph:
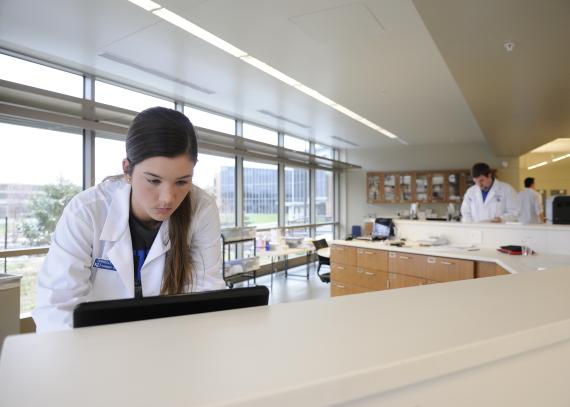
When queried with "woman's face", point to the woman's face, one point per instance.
{"points": [[159, 184]]}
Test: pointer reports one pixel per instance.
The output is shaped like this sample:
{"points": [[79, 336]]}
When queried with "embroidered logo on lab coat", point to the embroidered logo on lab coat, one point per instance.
{"points": [[104, 264]]}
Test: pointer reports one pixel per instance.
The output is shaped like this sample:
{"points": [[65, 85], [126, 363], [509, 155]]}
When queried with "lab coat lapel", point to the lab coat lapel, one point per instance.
{"points": [[116, 232]]}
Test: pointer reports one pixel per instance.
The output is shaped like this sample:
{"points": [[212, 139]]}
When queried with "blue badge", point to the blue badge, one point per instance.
{"points": [[104, 264]]}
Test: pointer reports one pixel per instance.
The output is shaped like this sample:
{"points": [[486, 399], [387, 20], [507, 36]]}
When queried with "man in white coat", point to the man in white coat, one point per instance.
{"points": [[531, 204], [489, 200]]}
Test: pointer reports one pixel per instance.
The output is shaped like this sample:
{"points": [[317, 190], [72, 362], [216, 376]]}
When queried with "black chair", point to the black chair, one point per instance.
{"points": [[320, 244]]}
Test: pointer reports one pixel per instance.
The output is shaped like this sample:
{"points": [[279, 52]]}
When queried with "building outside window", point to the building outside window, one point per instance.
{"points": [[109, 156], [297, 144], [216, 175], [297, 203], [324, 151], [260, 194], [324, 196]]}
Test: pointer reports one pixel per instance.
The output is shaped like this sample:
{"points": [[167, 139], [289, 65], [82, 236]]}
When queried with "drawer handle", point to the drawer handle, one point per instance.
{"points": [[338, 249], [360, 251], [340, 286], [431, 260], [392, 254], [368, 273], [404, 258], [367, 252], [340, 267], [447, 263]]}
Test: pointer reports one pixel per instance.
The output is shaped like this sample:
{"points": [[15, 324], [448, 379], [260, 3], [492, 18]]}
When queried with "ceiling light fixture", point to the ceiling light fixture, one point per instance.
{"points": [[217, 42], [532, 167], [562, 157]]}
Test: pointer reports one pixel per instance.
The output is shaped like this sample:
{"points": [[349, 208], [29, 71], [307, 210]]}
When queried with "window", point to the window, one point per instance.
{"points": [[324, 197], [324, 232], [297, 144], [216, 175], [40, 76], [259, 134], [210, 121], [323, 151], [109, 156], [41, 171], [260, 194], [127, 99], [297, 196]]}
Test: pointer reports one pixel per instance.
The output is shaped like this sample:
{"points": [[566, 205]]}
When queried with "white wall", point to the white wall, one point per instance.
{"points": [[404, 158]]}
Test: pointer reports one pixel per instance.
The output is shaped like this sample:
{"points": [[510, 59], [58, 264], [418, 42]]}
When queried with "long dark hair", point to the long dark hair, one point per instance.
{"points": [[163, 132]]}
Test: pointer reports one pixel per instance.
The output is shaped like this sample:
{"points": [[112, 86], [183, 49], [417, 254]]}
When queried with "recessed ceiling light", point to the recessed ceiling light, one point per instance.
{"points": [[532, 167], [562, 157]]}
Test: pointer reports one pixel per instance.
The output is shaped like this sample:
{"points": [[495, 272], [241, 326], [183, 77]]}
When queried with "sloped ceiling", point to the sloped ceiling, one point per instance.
{"points": [[521, 98]]}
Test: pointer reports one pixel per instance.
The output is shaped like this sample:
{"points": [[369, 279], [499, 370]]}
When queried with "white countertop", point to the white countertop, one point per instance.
{"points": [[474, 225], [317, 352]]}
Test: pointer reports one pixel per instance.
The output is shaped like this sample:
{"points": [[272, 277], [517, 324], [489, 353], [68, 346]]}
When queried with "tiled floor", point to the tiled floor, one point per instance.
{"points": [[295, 287]]}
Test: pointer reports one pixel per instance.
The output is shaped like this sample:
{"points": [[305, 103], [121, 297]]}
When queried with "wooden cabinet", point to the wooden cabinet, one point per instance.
{"points": [[356, 270], [417, 186], [444, 269], [489, 269]]}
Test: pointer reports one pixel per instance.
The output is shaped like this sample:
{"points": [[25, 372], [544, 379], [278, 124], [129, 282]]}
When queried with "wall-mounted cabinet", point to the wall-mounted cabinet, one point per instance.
{"points": [[417, 186]]}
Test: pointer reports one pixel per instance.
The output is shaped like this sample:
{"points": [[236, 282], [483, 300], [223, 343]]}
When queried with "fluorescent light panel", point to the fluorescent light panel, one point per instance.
{"points": [[562, 157], [217, 42], [148, 5], [532, 167]]}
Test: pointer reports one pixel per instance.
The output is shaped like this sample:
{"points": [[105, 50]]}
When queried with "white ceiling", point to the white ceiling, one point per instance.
{"points": [[375, 57]]}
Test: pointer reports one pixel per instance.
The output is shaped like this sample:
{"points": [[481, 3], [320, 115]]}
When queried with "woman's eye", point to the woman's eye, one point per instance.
{"points": [[154, 181], [181, 183]]}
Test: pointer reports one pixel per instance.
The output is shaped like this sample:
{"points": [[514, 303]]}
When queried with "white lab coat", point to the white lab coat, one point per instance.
{"points": [[501, 202], [95, 225], [531, 206]]}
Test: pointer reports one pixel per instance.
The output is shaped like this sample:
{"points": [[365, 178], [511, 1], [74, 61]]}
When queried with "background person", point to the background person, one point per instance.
{"points": [[531, 203], [489, 200], [147, 232]]}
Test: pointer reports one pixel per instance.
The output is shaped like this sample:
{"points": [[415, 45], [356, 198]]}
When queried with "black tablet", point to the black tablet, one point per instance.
{"points": [[136, 309]]}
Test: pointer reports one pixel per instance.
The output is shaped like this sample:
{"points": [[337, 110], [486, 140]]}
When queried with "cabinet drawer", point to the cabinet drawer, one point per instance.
{"points": [[445, 269], [373, 280], [343, 255], [372, 259], [341, 273], [402, 281], [345, 289], [408, 264]]}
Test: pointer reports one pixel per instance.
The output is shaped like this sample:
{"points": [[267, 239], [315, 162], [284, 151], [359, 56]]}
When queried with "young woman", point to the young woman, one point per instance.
{"points": [[149, 232]]}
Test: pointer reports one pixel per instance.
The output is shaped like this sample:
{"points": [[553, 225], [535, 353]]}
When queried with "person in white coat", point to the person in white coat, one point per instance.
{"points": [[531, 204], [489, 200], [147, 232]]}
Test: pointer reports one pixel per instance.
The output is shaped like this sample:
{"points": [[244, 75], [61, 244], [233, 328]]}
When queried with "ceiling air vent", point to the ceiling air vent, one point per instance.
{"points": [[345, 141], [276, 116]]}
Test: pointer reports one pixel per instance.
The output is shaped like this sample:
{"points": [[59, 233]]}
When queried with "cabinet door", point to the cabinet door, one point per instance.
{"points": [[406, 184], [454, 187], [372, 259], [341, 273], [466, 182], [408, 264], [437, 187], [343, 255], [374, 185], [390, 192], [445, 269], [421, 187], [372, 280], [402, 281]]}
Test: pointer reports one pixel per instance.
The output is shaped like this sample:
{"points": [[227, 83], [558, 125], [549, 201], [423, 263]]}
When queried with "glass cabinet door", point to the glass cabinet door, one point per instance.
{"points": [[373, 188], [421, 187], [405, 188], [453, 187], [437, 187], [390, 188]]}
